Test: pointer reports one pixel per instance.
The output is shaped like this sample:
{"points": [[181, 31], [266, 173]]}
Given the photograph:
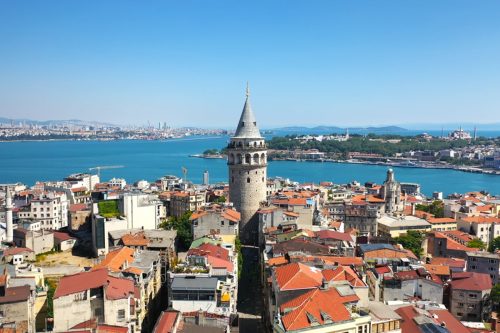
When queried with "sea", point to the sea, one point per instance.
{"points": [[31, 161]]}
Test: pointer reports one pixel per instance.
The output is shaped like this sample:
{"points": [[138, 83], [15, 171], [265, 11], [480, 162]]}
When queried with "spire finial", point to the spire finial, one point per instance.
{"points": [[248, 90]]}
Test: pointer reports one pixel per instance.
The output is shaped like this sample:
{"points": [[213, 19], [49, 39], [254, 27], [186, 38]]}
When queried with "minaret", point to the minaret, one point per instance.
{"points": [[247, 163], [8, 216]]}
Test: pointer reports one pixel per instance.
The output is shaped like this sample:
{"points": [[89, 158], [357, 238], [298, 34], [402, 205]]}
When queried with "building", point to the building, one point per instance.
{"points": [[16, 306], [407, 285], [484, 262], [322, 310], [247, 163], [94, 295], [470, 296], [442, 223], [50, 210], [418, 320], [38, 241], [384, 318], [186, 201], [393, 226], [141, 210], [485, 228], [214, 219]]}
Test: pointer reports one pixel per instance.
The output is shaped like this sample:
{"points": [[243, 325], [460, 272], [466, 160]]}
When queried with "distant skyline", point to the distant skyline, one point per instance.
{"points": [[338, 63]]}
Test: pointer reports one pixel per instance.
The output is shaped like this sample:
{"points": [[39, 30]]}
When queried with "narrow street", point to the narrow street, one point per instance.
{"points": [[250, 292]]}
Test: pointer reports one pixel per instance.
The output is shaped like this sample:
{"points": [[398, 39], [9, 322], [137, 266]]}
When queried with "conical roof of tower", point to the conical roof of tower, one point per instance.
{"points": [[247, 126]]}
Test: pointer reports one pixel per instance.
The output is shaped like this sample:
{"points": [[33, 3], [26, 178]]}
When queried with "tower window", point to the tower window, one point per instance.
{"points": [[255, 123], [242, 124], [248, 180]]}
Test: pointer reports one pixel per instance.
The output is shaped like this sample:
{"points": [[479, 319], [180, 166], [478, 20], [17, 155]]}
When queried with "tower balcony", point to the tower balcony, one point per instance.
{"points": [[247, 158]]}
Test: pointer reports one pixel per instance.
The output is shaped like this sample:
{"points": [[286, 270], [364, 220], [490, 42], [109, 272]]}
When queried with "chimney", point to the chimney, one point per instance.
{"points": [[8, 216]]}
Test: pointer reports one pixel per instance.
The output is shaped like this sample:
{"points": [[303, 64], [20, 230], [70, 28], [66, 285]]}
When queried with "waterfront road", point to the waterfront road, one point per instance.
{"points": [[250, 292]]}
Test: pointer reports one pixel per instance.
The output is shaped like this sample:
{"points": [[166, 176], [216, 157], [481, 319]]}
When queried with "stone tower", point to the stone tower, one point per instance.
{"points": [[391, 193], [247, 162]]}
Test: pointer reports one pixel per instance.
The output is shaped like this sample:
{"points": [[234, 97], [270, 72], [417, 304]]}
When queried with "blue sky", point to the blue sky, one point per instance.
{"points": [[342, 63]]}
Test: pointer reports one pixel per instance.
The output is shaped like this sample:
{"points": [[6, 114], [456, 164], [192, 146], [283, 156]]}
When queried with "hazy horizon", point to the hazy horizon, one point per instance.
{"points": [[344, 64]]}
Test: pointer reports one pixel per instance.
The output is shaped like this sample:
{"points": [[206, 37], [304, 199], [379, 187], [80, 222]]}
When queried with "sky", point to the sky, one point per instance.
{"points": [[310, 62]]}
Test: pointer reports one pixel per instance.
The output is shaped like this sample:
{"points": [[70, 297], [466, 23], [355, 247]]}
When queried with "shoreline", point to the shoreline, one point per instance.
{"points": [[395, 165]]}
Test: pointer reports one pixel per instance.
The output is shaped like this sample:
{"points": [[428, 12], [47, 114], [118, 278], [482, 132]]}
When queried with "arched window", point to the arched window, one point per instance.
{"points": [[230, 158], [239, 159], [248, 159], [248, 180], [256, 158], [255, 144], [263, 158]]}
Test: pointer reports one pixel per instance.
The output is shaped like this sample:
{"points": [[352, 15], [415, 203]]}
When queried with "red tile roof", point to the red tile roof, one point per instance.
{"points": [[319, 305], [115, 260], [15, 250], [290, 201], [166, 322], [78, 207], [137, 239], [452, 323], [343, 273], [481, 219], [277, 261], [62, 236], [297, 276], [116, 288], [438, 220], [15, 294], [471, 281], [450, 262], [330, 234]]}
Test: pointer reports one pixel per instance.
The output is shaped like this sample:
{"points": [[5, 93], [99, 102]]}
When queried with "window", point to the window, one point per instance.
{"points": [[121, 315], [222, 222], [248, 180], [360, 329]]}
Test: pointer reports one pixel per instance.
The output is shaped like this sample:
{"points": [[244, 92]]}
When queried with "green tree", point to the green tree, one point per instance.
{"points": [[51, 289], [221, 200], [477, 244], [412, 241], [436, 208], [494, 245], [182, 225], [495, 295]]}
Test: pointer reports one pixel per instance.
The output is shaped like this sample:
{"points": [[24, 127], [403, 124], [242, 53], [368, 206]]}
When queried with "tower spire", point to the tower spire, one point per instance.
{"points": [[247, 92]]}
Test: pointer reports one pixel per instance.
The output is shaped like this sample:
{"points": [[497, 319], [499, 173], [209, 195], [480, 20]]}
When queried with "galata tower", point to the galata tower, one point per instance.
{"points": [[247, 162]]}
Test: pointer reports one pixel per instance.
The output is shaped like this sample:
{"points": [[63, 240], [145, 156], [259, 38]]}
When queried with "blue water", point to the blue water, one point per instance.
{"points": [[28, 162]]}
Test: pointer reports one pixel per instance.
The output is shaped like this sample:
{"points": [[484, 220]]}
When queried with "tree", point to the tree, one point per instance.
{"points": [[495, 294], [494, 245], [412, 241], [436, 208], [220, 200], [182, 225], [477, 244]]}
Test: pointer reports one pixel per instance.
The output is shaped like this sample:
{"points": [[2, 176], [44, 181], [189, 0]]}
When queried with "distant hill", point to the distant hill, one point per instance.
{"points": [[335, 129], [74, 122]]}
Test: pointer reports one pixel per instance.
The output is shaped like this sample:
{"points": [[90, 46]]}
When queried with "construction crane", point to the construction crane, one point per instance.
{"points": [[99, 168]]}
